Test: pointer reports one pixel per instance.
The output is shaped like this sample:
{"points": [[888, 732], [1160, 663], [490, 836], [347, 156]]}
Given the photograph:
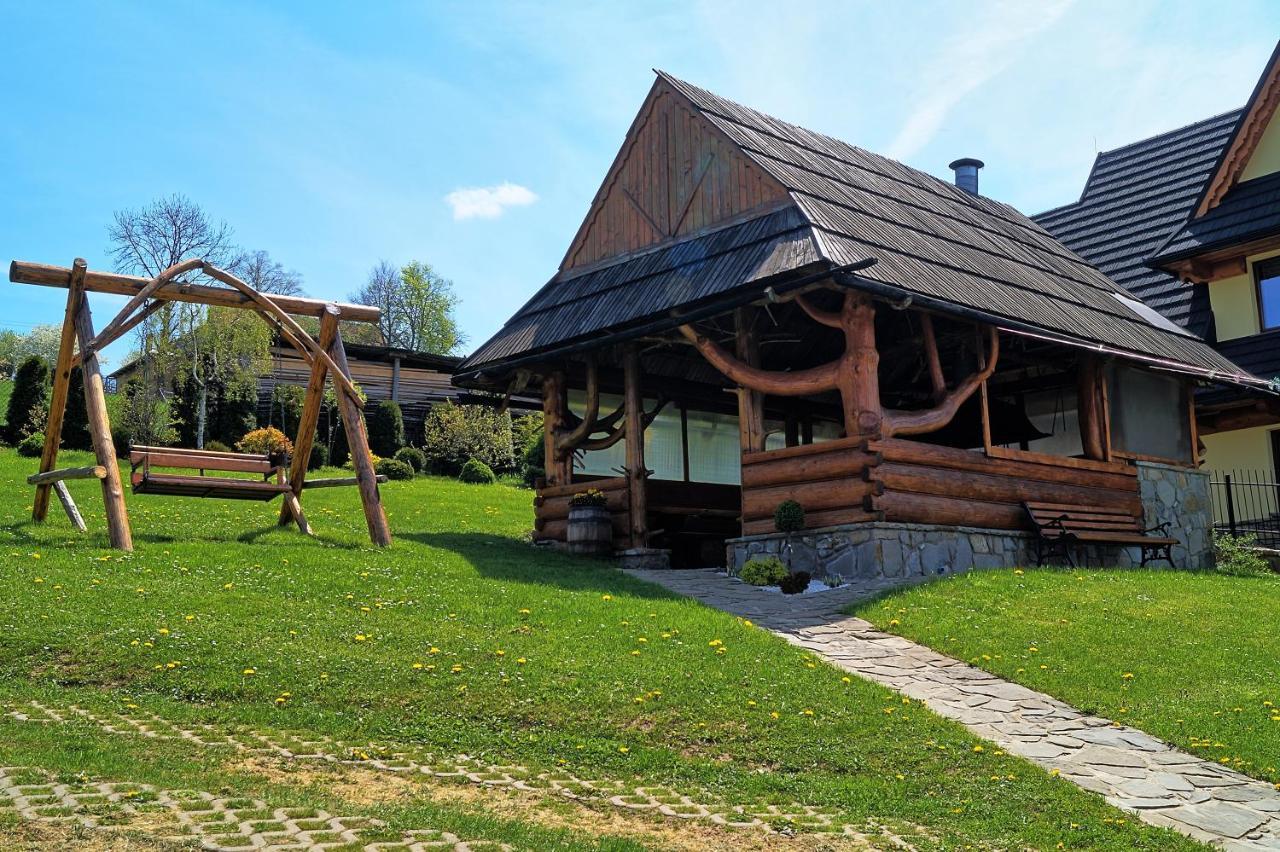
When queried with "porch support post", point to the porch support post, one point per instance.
{"points": [[636, 471], [1091, 407], [750, 402], [559, 466]]}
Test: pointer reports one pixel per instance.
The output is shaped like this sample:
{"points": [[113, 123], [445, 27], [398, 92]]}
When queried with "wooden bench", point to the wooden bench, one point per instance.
{"points": [[1062, 528], [146, 481]]}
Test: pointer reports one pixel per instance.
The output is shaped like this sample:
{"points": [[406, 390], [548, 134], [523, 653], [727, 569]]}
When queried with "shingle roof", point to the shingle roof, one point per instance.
{"points": [[1134, 198], [1249, 211], [927, 236], [1257, 353]]}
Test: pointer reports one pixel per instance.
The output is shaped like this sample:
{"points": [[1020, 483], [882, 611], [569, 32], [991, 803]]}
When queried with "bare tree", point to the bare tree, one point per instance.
{"points": [[265, 275], [417, 307], [146, 241]]}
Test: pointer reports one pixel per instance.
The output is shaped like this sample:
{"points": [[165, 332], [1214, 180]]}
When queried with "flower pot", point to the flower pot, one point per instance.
{"points": [[590, 531]]}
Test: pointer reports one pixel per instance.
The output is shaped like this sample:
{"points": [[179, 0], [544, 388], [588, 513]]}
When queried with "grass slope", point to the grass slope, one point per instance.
{"points": [[464, 638], [1191, 658]]}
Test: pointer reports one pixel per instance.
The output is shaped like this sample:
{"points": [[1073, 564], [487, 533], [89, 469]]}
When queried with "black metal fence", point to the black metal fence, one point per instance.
{"points": [[1247, 502]]}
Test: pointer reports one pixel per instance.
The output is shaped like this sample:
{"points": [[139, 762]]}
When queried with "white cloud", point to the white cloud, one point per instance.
{"points": [[488, 202], [972, 58]]}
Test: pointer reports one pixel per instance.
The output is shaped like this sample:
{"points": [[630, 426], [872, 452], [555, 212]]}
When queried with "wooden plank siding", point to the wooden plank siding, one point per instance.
{"points": [[676, 175], [419, 388]]}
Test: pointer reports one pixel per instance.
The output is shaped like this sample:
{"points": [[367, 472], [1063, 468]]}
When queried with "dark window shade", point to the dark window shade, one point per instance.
{"points": [[1267, 274], [1149, 414]]}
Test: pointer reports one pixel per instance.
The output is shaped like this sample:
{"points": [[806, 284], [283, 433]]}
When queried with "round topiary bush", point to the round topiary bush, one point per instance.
{"points": [[788, 517], [763, 571], [477, 473], [794, 584], [32, 446], [216, 447], [393, 469], [319, 456], [413, 457], [267, 441], [386, 428]]}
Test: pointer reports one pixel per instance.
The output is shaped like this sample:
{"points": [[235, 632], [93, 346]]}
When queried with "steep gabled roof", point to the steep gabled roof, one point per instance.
{"points": [[1134, 197], [927, 238]]}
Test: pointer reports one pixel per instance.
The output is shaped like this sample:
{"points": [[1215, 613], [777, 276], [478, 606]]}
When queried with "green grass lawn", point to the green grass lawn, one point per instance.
{"points": [[464, 638], [1193, 658]]}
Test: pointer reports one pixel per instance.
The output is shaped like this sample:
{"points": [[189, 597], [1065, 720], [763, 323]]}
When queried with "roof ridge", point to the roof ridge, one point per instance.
{"points": [[1184, 128]]}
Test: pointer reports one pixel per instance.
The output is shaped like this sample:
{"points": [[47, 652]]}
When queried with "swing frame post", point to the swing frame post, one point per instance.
{"points": [[327, 358]]}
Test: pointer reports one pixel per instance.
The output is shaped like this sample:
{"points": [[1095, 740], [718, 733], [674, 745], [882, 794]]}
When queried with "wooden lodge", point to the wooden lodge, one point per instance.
{"points": [[782, 315]]}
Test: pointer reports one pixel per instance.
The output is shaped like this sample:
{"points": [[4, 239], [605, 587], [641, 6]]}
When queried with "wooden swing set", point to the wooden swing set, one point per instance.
{"points": [[326, 357]]}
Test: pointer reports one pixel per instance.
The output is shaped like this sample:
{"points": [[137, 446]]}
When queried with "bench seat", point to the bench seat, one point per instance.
{"points": [[145, 481], [1062, 528]]}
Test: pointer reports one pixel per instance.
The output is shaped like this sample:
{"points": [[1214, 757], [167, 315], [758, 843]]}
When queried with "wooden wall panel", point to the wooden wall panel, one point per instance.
{"points": [[675, 175]]}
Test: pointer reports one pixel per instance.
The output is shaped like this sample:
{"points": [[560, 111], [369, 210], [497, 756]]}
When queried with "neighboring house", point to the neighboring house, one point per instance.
{"points": [[1190, 222], [752, 313], [416, 380]]}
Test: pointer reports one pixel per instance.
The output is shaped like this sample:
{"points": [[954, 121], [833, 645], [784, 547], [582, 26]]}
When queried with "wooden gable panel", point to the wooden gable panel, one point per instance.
{"points": [[676, 175], [1253, 125]]}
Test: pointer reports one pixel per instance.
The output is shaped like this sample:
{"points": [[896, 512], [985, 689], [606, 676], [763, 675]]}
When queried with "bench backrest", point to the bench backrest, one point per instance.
{"points": [[1068, 517], [204, 459]]}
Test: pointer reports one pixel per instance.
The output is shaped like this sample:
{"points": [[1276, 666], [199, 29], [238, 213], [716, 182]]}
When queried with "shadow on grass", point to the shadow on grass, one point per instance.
{"points": [[502, 558]]}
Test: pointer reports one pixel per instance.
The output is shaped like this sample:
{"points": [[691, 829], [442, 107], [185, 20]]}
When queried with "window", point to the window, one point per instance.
{"points": [[1267, 275]]}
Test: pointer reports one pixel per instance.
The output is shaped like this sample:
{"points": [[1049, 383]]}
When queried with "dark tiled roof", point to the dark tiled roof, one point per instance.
{"points": [[1134, 198], [579, 306], [927, 236], [1257, 353], [1248, 211]]}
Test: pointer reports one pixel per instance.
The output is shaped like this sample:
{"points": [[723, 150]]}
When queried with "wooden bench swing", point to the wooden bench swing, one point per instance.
{"points": [[281, 476]]}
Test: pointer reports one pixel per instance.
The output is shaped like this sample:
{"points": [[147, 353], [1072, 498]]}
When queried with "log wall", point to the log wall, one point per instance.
{"points": [[831, 480], [927, 484], [551, 509]]}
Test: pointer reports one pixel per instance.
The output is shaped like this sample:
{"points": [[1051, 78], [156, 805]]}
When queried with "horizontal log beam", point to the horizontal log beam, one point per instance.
{"points": [[96, 471], [907, 508], [337, 482], [845, 493], [967, 485], [816, 520], [45, 275], [834, 465]]}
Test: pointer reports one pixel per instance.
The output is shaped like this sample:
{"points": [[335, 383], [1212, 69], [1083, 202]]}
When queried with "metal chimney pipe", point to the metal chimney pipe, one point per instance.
{"points": [[966, 169]]}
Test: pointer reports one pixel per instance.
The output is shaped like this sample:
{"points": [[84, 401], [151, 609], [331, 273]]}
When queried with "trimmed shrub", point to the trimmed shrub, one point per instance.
{"points": [[32, 446], [763, 571], [28, 398], [794, 584], [477, 472], [319, 456], [386, 429], [393, 469], [788, 517], [413, 457], [266, 441], [453, 434], [1237, 555], [216, 447], [75, 422]]}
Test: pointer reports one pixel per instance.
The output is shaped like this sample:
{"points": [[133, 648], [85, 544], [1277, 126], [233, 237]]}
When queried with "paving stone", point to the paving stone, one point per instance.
{"points": [[1133, 769]]}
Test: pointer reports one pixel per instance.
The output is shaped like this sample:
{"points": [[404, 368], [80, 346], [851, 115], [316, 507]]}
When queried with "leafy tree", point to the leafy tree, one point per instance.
{"points": [[28, 399], [386, 429], [417, 307], [8, 353], [145, 416], [42, 341], [452, 434]]}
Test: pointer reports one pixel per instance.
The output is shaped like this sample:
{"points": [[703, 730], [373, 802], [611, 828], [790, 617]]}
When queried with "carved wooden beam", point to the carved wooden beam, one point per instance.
{"points": [[932, 419], [796, 383], [567, 439], [931, 358], [830, 319]]}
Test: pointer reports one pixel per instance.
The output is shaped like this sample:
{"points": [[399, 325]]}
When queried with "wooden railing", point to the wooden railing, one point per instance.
{"points": [[928, 484], [551, 508], [831, 480]]}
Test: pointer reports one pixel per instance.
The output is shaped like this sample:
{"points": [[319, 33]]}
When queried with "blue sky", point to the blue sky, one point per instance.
{"points": [[335, 134]]}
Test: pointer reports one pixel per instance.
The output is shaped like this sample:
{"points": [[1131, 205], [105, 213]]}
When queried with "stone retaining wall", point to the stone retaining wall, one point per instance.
{"points": [[1180, 496]]}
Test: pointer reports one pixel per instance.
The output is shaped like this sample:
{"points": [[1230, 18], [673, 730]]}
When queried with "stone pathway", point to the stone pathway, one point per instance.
{"points": [[212, 822], [1131, 769], [294, 745]]}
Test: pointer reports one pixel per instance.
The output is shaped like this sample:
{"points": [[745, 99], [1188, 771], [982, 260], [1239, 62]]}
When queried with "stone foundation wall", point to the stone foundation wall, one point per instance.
{"points": [[1180, 496], [884, 555]]}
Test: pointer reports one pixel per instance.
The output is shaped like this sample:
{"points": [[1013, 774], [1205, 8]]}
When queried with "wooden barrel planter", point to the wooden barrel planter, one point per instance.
{"points": [[590, 531]]}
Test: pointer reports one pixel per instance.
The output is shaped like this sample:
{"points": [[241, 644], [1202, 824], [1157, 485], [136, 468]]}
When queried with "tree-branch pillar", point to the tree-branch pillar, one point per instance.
{"points": [[637, 473]]}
